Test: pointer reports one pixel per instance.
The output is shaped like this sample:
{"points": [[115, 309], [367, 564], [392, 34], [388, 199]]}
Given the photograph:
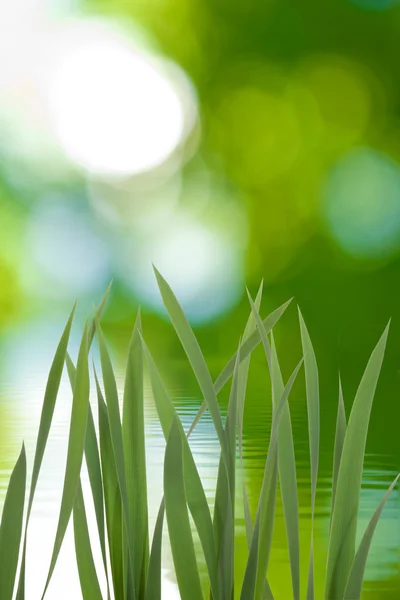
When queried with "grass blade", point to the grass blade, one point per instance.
{"points": [[11, 527], [246, 349], [180, 535], [224, 509], [354, 584], [94, 470], [112, 497], [114, 418], [46, 417], [153, 587], [195, 495], [196, 359], [135, 461], [341, 426], [76, 445], [84, 558], [257, 565], [285, 456], [312, 392], [344, 520], [287, 476], [242, 385]]}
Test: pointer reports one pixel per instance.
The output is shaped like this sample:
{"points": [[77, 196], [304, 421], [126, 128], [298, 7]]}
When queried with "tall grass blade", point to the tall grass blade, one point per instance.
{"points": [[287, 475], [76, 445], [180, 535], [341, 549], [94, 470], [242, 386], [98, 313], [312, 391], [196, 359], [224, 509], [257, 565], [246, 349], [84, 558], [135, 461], [11, 527], [195, 495], [46, 417], [112, 497], [355, 581], [341, 426], [153, 587], [114, 418], [286, 457]]}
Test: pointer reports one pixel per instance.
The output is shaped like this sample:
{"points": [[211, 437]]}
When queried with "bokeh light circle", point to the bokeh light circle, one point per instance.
{"points": [[361, 204]]}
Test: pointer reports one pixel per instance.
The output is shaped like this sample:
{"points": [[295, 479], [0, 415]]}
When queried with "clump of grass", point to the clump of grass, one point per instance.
{"points": [[116, 464]]}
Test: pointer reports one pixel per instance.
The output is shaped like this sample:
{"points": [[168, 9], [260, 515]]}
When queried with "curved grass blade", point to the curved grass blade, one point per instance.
{"points": [[76, 445], [135, 461], [153, 587], [257, 565], [341, 549], [84, 558], [287, 475], [355, 581], [242, 386], [112, 497], [341, 426], [196, 359], [94, 470], [246, 349], [312, 392], [46, 417], [285, 456], [195, 495], [98, 314], [224, 509], [180, 535], [11, 527], [114, 418]]}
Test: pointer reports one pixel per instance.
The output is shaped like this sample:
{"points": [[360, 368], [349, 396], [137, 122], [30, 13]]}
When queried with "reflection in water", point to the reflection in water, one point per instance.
{"points": [[20, 404]]}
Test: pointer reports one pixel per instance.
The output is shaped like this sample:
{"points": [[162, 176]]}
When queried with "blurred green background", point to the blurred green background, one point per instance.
{"points": [[226, 142]]}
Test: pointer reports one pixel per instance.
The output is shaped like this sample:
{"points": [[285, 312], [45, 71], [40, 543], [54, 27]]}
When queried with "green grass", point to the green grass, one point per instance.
{"points": [[116, 463]]}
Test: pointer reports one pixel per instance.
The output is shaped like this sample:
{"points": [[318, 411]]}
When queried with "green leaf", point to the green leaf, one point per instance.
{"points": [[341, 426], [11, 527], [287, 476], [180, 534], [196, 359], [114, 417], [112, 497], [135, 461], [312, 390], [153, 587], [341, 549], [76, 445], [46, 417], [242, 386], [257, 565], [354, 583], [94, 470], [224, 509], [84, 558], [195, 495], [245, 350], [286, 457]]}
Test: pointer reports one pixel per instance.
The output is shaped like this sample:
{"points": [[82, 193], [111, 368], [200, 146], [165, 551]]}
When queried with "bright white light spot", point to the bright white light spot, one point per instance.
{"points": [[115, 110], [203, 266], [362, 204]]}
